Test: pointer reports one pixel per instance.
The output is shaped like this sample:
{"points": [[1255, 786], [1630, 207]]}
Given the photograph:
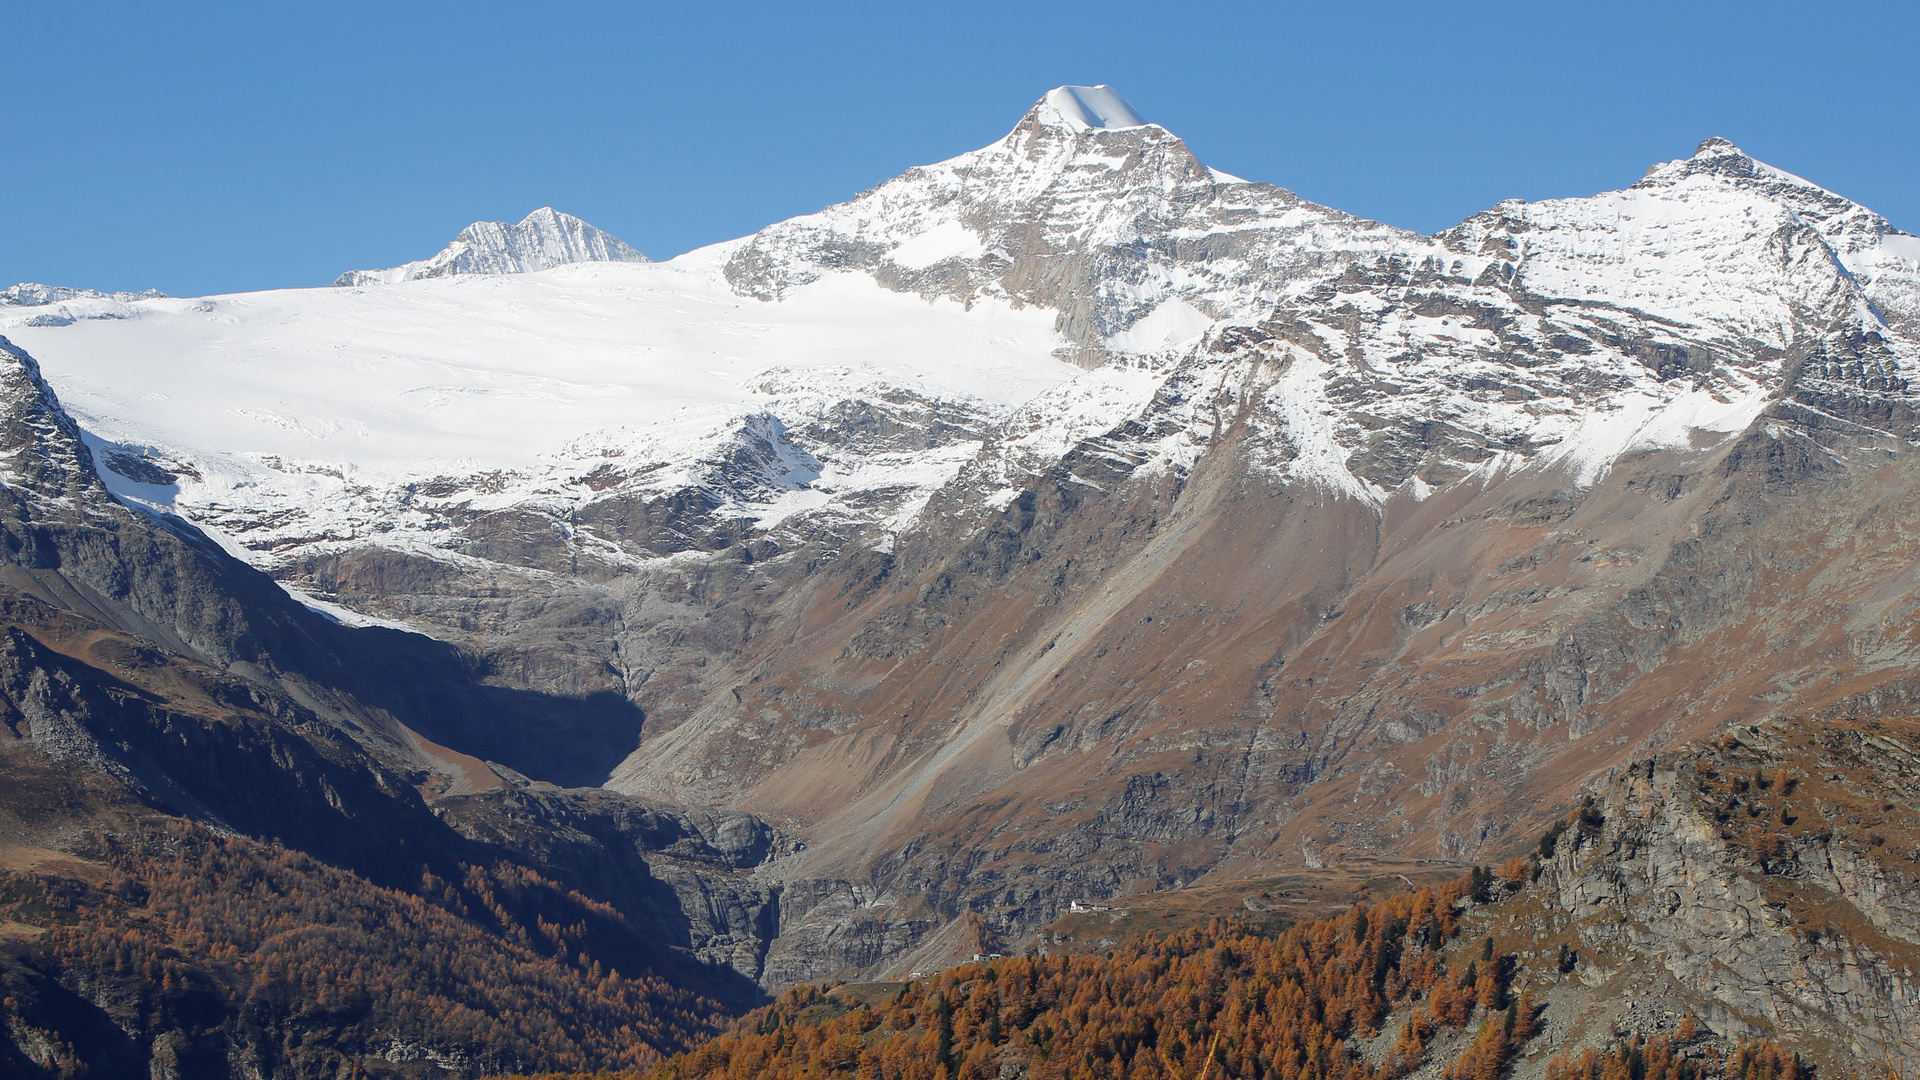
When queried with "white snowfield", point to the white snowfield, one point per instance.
{"points": [[485, 372], [305, 419]]}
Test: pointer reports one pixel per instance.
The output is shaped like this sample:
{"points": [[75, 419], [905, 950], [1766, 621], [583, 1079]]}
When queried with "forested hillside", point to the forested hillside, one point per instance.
{"points": [[1383, 991], [216, 950]]}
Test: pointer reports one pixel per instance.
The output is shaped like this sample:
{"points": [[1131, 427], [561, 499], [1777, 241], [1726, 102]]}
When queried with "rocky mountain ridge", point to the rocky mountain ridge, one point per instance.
{"points": [[94, 303]]}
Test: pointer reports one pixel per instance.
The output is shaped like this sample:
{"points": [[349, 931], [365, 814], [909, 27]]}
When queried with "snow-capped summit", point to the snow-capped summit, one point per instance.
{"points": [[1852, 229], [542, 240], [1086, 107], [1884, 260], [1718, 241], [1083, 208]]}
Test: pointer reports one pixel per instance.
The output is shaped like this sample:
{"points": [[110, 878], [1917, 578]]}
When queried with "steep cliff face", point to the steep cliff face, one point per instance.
{"points": [[1763, 881]]}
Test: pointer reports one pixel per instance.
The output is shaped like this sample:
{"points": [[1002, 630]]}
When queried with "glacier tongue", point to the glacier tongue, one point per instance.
{"points": [[542, 240]]}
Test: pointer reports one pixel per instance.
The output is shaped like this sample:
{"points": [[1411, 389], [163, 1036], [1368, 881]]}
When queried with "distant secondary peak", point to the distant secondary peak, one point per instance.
{"points": [[33, 294], [542, 240], [1084, 108]]}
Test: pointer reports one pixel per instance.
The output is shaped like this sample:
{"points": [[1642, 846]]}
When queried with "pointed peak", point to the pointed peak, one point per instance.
{"points": [[1715, 146], [1720, 157], [544, 220], [1086, 108]]}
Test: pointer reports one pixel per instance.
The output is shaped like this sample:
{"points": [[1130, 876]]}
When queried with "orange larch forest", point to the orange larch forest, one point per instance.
{"points": [[1220, 1000]]}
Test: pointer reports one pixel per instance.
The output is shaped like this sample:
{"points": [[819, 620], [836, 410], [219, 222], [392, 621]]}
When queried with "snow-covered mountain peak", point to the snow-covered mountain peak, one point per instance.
{"points": [[1720, 242], [1716, 156], [1557, 332], [1083, 108], [1725, 182], [542, 240], [1720, 170], [1085, 209]]}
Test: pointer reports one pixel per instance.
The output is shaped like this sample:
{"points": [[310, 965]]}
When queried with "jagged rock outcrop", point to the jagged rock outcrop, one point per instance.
{"points": [[1769, 875], [89, 303]]}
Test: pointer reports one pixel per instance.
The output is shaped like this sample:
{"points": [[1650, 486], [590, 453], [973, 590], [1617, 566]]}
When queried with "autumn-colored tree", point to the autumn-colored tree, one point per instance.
{"points": [[1410, 1046]]}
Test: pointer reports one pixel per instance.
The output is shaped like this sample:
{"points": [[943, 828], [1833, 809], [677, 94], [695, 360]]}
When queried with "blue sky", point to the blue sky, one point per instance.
{"points": [[201, 148]]}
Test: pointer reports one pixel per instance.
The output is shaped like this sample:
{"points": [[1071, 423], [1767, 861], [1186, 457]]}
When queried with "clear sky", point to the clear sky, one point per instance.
{"points": [[214, 147]]}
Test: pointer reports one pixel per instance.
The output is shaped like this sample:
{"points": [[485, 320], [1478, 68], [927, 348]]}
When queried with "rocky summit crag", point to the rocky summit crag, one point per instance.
{"points": [[1064, 520]]}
